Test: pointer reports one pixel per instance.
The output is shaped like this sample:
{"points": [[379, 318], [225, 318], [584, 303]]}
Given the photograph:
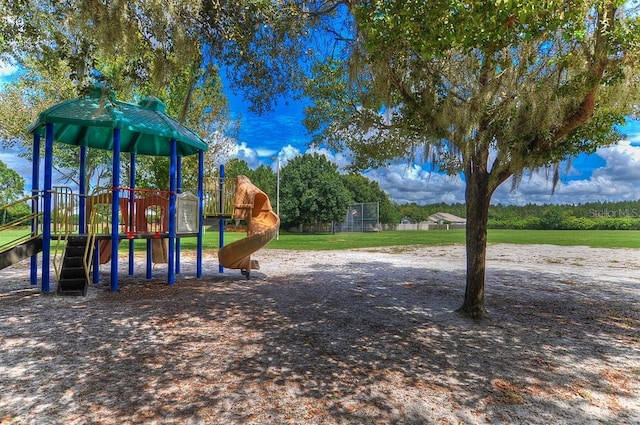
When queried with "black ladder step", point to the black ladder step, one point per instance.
{"points": [[72, 273], [72, 262], [72, 287], [74, 251]]}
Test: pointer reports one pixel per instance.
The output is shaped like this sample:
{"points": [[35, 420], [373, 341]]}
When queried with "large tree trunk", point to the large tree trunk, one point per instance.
{"points": [[478, 196]]}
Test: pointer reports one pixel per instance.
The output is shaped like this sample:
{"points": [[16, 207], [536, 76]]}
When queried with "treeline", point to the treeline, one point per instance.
{"points": [[624, 215], [312, 191]]}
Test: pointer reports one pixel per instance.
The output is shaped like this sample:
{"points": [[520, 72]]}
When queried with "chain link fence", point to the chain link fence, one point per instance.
{"points": [[363, 217]]}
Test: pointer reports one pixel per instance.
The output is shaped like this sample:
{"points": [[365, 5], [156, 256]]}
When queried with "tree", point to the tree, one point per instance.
{"points": [[139, 49], [11, 185], [11, 189], [237, 167], [489, 89], [265, 179], [362, 190], [311, 191]]}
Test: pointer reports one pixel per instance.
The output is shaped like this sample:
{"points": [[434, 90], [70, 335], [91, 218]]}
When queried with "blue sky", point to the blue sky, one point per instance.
{"points": [[611, 174]]}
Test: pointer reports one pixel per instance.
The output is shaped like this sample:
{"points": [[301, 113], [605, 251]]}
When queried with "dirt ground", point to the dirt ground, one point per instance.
{"points": [[340, 337]]}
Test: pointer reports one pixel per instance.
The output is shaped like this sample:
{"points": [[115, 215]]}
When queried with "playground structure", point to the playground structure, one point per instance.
{"points": [[78, 232], [254, 207]]}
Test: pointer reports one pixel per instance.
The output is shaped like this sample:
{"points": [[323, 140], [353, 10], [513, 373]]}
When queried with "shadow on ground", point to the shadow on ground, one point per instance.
{"points": [[370, 343]]}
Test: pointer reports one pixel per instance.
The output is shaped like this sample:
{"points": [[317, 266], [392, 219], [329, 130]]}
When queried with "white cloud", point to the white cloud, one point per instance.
{"points": [[7, 69], [265, 153], [341, 160], [287, 153], [410, 183], [618, 179], [623, 162], [243, 152], [7, 72]]}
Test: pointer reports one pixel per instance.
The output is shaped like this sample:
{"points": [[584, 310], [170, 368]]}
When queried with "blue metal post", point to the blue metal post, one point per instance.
{"points": [[96, 263], [132, 211], [172, 211], [149, 259], [222, 221], [200, 213], [179, 190], [115, 208], [35, 185], [82, 190], [46, 214]]}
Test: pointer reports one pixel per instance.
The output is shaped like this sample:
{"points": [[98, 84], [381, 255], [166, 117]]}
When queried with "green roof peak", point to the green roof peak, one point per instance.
{"points": [[145, 128]]}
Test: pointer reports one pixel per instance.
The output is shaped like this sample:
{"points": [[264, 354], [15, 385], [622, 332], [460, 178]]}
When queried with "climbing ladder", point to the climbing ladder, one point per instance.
{"points": [[73, 276]]}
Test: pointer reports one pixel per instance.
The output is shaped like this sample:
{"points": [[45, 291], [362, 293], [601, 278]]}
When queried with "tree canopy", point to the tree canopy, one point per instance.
{"points": [[11, 185], [311, 191], [488, 89], [137, 48]]}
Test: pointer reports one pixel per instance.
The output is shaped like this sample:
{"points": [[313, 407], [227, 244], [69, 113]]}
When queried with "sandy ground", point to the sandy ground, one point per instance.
{"points": [[341, 337]]}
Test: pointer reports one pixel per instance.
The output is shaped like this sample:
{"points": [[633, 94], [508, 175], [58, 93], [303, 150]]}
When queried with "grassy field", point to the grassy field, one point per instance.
{"points": [[592, 238]]}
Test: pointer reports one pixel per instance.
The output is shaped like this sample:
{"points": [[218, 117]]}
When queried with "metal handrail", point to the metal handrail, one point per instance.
{"points": [[62, 222], [25, 220], [101, 195], [219, 199]]}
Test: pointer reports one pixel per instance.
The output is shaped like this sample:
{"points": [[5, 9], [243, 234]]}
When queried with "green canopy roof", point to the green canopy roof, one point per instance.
{"points": [[145, 128]]}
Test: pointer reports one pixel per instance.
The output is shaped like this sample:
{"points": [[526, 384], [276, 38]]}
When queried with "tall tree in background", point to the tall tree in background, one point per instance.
{"points": [[363, 190], [11, 189], [489, 89], [137, 48], [11, 185], [311, 191]]}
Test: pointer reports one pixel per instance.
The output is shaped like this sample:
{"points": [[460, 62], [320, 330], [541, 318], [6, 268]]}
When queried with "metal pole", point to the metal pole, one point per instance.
{"points": [[277, 159], [35, 184], [115, 207], [172, 211], [132, 210], [278, 198], [200, 213], [221, 218], [179, 190], [46, 214], [82, 213]]}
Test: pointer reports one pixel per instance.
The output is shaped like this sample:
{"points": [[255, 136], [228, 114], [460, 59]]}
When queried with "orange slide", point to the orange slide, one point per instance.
{"points": [[253, 206]]}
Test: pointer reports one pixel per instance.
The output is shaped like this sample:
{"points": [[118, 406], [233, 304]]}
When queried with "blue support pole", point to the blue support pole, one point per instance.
{"points": [[35, 185], [179, 190], [222, 221], [132, 211], [46, 214], [96, 263], [149, 259], [82, 189], [200, 213], [115, 207], [172, 211]]}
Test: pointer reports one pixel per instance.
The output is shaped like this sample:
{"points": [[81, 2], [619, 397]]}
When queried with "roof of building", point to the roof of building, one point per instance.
{"points": [[439, 217], [145, 128]]}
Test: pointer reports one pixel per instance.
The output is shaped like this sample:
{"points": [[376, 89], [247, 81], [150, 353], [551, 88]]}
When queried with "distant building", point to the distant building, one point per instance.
{"points": [[446, 218], [437, 221]]}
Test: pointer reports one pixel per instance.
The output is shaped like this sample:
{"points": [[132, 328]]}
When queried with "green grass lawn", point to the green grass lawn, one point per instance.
{"points": [[593, 238], [290, 241]]}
